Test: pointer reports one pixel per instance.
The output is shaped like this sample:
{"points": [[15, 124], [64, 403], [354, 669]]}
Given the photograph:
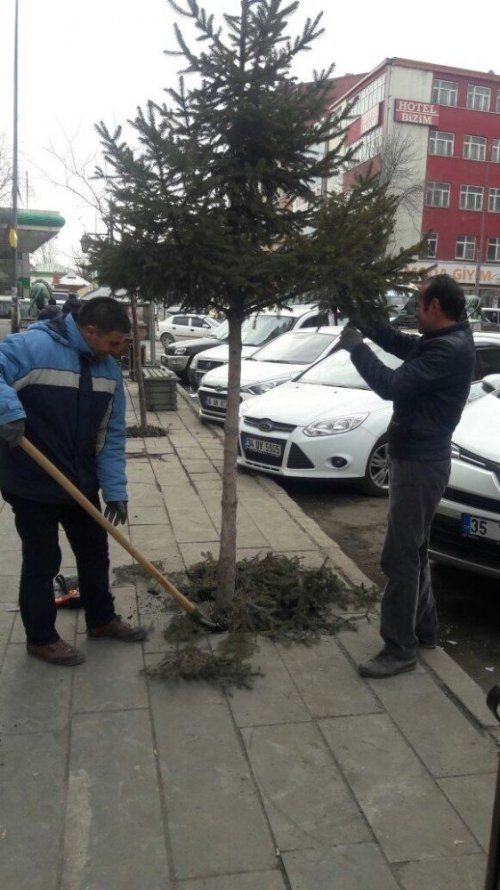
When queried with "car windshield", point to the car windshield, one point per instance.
{"points": [[221, 332], [300, 349], [338, 370], [259, 328]]}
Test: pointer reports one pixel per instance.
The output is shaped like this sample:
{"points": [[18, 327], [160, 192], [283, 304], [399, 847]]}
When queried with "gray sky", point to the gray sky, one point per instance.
{"points": [[80, 62]]}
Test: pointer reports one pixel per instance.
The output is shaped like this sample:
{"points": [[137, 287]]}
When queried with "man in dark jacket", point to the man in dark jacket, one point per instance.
{"points": [[429, 392], [60, 383]]}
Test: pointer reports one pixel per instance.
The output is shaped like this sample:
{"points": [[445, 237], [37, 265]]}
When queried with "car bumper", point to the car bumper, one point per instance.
{"points": [[449, 546], [302, 457], [175, 362]]}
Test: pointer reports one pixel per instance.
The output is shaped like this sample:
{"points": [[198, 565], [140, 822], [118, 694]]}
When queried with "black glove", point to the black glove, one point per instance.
{"points": [[349, 339], [116, 512], [12, 432]]}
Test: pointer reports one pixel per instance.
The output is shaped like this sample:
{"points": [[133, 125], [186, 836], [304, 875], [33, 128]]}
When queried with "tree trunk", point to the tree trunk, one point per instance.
{"points": [[227, 552], [137, 360]]}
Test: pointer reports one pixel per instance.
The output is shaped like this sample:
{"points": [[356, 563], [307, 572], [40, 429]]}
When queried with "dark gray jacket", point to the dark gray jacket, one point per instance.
{"points": [[428, 391]]}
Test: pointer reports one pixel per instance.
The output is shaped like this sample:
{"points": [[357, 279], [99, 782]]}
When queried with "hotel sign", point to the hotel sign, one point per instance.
{"points": [[409, 111]]}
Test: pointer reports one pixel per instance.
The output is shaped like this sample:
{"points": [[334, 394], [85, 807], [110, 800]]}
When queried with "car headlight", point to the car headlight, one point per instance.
{"points": [[257, 389], [335, 426], [181, 350]]}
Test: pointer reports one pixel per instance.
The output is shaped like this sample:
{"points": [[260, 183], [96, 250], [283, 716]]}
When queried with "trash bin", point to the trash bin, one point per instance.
{"points": [[160, 387], [132, 362]]}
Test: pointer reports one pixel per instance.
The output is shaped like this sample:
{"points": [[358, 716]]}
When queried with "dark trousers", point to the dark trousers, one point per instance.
{"points": [[38, 527], [408, 607]]}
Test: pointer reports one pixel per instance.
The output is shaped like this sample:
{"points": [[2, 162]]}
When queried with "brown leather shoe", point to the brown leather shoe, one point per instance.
{"points": [[116, 629], [56, 653]]}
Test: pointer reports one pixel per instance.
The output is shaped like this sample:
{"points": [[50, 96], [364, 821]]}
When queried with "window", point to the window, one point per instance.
{"points": [[180, 319], [430, 248], [465, 247], [494, 201], [444, 92], [370, 96], [487, 362], [437, 194], [475, 148], [493, 250], [497, 106], [478, 98], [197, 322], [495, 151], [471, 197], [441, 143]]}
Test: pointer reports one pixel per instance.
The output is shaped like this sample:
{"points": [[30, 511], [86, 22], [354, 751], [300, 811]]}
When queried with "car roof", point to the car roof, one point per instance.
{"points": [[486, 337]]}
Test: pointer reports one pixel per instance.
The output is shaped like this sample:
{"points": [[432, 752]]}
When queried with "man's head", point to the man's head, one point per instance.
{"points": [[104, 325], [440, 304]]}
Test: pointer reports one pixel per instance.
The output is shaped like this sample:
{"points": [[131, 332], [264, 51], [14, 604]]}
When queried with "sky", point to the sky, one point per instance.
{"points": [[82, 61]]}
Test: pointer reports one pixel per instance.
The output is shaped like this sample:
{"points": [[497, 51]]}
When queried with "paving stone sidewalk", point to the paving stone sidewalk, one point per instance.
{"points": [[315, 780]]}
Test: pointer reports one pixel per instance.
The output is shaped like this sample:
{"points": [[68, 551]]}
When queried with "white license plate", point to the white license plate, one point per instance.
{"points": [[261, 446], [476, 527], [215, 403]]}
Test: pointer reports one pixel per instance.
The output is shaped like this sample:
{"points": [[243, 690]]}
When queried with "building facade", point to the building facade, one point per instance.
{"points": [[435, 130]]}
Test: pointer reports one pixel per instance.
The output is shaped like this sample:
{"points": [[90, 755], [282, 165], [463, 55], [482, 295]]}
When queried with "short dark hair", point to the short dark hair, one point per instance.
{"points": [[52, 301], [449, 294], [106, 314]]}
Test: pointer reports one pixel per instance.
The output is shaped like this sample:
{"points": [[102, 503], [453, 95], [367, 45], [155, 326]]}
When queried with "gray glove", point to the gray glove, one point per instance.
{"points": [[116, 512], [12, 432], [349, 339]]}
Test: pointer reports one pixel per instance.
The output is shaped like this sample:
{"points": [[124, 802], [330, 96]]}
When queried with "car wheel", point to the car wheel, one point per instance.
{"points": [[166, 339], [376, 481]]}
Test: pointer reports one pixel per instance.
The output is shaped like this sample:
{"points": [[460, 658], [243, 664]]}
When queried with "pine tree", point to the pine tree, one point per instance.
{"points": [[216, 202]]}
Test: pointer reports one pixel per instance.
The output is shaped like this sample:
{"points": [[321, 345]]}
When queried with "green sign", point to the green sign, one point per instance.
{"points": [[24, 282]]}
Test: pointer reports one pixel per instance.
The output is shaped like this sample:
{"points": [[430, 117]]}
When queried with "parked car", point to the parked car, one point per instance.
{"points": [[176, 327], [268, 367], [178, 356], [328, 423], [490, 315], [258, 330], [466, 528]]}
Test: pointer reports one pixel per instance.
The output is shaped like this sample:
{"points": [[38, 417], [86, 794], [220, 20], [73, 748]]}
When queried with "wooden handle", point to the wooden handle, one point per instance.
{"points": [[96, 514]]}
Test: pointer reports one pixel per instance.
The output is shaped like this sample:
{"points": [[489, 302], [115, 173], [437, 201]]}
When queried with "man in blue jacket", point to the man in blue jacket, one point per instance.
{"points": [[429, 391], [60, 384]]}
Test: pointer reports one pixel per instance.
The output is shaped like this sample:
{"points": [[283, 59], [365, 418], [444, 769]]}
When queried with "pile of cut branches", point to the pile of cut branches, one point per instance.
{"points": [[276, 597]]}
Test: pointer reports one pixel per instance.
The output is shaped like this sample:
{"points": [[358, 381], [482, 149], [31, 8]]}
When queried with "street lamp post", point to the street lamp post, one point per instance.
{"points": [[13, 241]]}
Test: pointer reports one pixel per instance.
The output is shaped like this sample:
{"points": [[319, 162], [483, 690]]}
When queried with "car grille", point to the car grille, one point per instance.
{"points": [[468, 499], [275, 426], [297, 460], [446, 537], [205, 364]]}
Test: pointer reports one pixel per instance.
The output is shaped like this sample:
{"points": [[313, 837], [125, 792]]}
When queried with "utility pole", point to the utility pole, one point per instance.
{"points": [[13, 241]]}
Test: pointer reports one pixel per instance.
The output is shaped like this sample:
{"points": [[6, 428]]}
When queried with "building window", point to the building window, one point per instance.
{"points": [[441, 143], [430, 246], [444, 92], [437, 194], [493, 250], [370, 96], [494, 201], [475, 148], [478, 98], [497, 106], [465, 247], [495, 151], [471, 197]]}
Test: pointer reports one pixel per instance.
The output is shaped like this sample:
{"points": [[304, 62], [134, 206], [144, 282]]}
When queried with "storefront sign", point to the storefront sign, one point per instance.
{"points": [[409, 111], [464, 273]]}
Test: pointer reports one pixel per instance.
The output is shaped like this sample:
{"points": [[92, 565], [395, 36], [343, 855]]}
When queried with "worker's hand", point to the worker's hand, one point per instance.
{"points": [[349, 339], [116, 512], [12, 432]]}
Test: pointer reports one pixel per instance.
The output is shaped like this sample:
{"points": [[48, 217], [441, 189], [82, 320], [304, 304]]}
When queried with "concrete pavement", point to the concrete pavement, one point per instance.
{"points": [[315, 780]]}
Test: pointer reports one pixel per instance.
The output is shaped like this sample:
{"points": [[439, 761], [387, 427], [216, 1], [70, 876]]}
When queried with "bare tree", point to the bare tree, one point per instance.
{"points": [[5, 171], [399, 162]]}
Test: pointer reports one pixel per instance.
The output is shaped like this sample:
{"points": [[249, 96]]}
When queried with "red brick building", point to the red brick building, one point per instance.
{"points": [[448, 122]]}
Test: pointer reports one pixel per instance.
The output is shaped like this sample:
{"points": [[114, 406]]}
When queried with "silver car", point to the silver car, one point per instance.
{"points": [[466, 528]]}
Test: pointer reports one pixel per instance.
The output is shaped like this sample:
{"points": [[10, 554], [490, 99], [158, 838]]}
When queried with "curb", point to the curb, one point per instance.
{"points": [[456, 683]]}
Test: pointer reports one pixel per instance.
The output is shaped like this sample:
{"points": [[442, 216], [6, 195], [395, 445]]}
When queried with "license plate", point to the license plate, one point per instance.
{"points": [[215, 403], [261, 446], [476, 527]]}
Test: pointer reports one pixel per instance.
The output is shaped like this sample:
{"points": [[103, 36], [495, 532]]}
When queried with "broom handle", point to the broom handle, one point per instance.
{"points": [[96, 514]]}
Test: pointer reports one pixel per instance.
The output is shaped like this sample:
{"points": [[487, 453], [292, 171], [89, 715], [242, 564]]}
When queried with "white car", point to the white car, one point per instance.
{"points": [[177, 327], [267, 368], [466, 528], [258, 330], [328, 424]]}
